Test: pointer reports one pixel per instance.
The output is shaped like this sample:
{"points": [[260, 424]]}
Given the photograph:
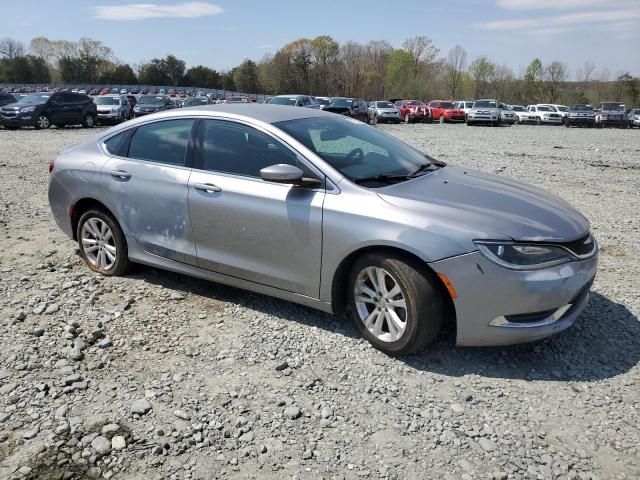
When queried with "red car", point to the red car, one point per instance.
{"points": [[445, 111], [171, 92], [413, 111], [105, 91]]}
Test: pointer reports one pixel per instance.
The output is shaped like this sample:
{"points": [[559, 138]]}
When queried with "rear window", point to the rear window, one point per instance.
{"points": [[162, 142]]}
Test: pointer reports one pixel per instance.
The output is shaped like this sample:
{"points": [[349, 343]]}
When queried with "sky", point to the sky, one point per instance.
{"points": [[222, 33]]}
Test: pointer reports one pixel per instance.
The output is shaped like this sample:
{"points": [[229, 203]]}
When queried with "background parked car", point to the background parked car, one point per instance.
{"points": [[195, 101], [41, 110], [151, 104], [382, 111], [8, 98], [612, 114], [351, 107], [442, 112], [323, 101], [113, 108], [413, 111], [580, 115], [294, 100], [507, 115], [464, 105], [484, 111], [523, 115], [634, 117], [546, 114], [133, 100]]}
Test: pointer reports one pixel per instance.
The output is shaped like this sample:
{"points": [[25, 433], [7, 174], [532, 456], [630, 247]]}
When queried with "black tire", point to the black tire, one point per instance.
{"points": [[424, 303], [88, 121], [567, 123], [42, 121], [122, 263]]}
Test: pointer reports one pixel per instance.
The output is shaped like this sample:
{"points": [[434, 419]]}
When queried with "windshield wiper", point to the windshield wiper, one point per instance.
{"points": [[381, 178]]}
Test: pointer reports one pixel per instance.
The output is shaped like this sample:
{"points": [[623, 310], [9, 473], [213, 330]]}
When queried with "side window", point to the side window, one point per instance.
{"points": [[114, 144], [306, 101], [163, 142], [241, 150]]}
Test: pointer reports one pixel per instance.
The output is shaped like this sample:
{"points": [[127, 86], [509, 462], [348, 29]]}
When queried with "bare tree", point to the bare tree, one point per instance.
{"points": [[454, 68], [555, 75], [422, 50], [585, 73], [10, 48], [600, 84]]}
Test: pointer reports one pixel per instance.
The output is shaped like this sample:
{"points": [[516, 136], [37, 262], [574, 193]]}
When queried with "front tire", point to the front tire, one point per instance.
{"points": [[102, 243], [42, 122], [396, 305]]}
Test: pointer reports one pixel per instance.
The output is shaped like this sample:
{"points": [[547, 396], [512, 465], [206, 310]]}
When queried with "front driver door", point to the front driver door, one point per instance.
{"points": [[248, 228]]}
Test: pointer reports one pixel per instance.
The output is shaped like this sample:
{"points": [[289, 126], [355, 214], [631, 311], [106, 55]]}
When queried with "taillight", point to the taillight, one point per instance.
{"points": [[51, 165]]}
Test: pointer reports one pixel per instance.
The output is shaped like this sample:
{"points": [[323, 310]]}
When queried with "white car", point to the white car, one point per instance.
{"points": [[123, 91], [465, 105], [524, 115], [546, 114], [561, 109]]}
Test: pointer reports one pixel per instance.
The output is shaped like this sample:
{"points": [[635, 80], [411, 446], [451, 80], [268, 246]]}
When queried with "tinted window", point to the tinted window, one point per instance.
{"points": [[241, 150], [68, 97], [162, 142], [114, 143]]}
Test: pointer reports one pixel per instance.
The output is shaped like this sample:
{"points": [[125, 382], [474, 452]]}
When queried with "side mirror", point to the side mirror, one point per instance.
{"points": [[284, 173]]}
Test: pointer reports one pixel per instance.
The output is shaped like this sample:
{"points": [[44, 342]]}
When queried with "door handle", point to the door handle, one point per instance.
{"points": [[207, 187], [120, 174]]}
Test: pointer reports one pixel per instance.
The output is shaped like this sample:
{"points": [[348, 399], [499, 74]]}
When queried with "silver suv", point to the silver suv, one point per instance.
{"points": [[382, 111], [113, 108], [485, 111]]}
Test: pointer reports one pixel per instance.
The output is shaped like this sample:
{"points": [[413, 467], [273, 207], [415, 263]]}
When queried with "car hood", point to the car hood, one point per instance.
{"points": [[15, 106], [467, 205]]}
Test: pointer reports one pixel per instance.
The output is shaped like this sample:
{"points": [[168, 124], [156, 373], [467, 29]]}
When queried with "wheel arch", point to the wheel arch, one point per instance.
{"points": [[82, 206], [339, 300]]}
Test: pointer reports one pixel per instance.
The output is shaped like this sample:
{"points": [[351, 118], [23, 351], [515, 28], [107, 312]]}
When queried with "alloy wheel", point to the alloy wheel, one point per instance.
{"points": [[98, 244], [43, 121], [380, 304]]}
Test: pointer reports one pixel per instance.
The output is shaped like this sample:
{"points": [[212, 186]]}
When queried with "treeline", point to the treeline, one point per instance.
{"points": [[322, 66]]}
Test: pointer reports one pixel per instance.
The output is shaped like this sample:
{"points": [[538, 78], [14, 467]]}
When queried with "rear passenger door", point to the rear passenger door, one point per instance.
{"points": [[146, 181]]}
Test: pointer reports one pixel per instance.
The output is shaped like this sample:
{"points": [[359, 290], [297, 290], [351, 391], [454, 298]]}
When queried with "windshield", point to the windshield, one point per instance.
{"points": [[323, 101], [384, 104], [518, 109], [612, 106], [545, 109], [485, 104], [353, 148], [283, 100], [582, 108], [37, 99], [636, 111], [341, 102], [563, 109], [446, 105], [468, 104], [415, 103], [195, 101], [150, 100], [107, 101]]}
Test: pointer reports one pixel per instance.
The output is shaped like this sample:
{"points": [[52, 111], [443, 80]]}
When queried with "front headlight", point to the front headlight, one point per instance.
{"points": [[518, 256], [27, 109], [115, 109]]}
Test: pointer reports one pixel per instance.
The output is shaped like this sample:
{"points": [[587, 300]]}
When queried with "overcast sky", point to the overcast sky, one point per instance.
{"points": [[222, 33]]}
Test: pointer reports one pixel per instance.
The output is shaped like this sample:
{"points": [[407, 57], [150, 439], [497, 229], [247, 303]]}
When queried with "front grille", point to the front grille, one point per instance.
{"points": [[583, 247], [554, 115]]}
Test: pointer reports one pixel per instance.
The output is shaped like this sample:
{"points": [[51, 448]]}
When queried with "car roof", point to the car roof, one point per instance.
{"points": [[263, 112]]}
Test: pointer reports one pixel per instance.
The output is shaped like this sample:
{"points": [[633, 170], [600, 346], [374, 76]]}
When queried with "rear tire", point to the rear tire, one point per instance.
{"points": [[102, 243], [403, 315], [88, 121]]}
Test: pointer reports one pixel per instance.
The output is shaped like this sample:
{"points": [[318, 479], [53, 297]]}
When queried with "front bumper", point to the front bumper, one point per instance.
{"points": [[497, 306], [108, 116], [20, 120], [580, 120]]}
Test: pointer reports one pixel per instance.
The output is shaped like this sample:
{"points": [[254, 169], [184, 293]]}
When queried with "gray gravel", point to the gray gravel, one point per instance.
{"points": [[157, 376]]}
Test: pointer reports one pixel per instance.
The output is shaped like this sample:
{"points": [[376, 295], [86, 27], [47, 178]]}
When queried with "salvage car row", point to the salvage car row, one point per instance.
{"points": [[43, 109]]}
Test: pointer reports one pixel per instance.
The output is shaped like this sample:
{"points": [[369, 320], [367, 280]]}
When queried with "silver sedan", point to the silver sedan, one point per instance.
{"points": [[323, 210]]}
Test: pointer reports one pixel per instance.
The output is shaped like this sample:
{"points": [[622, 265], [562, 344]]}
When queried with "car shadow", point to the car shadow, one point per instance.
{"points": [[601, 344]]}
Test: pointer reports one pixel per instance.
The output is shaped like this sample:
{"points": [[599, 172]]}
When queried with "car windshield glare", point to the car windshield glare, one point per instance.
{"points": [[151, 100], [485, 104], [107, 101], [283, 100], [353, 148], [384, 105], [545, 109], [341, 102], [446, 105], [34, 99]]}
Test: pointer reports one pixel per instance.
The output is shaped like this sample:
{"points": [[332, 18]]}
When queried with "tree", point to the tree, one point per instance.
{"points": [[10, 48], [628, 85], [120, 74], [398, 75], [555, 75], [173, 68], [454, 68], [324, 50], [201, 76], [422, 50], [245, 77], [481, 71], [533, 81], [153, 73]]}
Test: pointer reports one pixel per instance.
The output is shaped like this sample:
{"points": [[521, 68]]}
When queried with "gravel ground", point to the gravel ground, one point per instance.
{"points": [[159, 376]]}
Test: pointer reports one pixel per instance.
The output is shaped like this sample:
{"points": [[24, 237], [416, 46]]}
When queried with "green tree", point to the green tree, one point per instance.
{"points": [[245, 77], [533, 81], [201, 76], [481, 71]]}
